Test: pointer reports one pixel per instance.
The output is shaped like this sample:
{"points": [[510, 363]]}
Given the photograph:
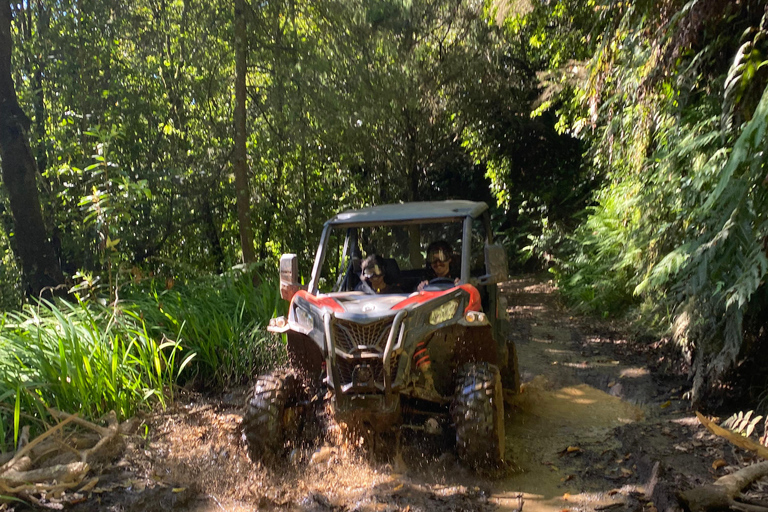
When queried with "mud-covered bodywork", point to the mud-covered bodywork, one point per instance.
{"points": [[397, 359], [367, 343]]}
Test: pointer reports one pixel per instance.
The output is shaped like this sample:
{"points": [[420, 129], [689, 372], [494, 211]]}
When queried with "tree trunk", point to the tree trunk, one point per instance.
{"points": [[38, 262], [212, 235], [411, 155], [241, 175], [39, 101]]}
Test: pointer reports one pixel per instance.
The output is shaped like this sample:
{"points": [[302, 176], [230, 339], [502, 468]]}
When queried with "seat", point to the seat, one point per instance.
{"points": [[391, 272]]}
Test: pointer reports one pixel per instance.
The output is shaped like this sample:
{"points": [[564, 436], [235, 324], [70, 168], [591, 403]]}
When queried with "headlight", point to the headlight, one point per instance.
{"points": [[303, 318], [444, 312], [475, 316]]}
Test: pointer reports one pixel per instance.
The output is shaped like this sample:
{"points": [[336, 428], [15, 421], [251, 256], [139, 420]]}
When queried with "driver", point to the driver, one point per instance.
{"points": [[439, 257], [373, 277]]}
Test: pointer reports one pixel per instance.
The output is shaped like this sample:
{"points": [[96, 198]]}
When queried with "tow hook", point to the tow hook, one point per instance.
{"points": [[431, 427]]}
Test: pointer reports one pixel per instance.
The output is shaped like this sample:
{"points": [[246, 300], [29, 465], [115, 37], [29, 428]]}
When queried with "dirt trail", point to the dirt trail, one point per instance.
{"points": [[560, 423], [594, 429]]}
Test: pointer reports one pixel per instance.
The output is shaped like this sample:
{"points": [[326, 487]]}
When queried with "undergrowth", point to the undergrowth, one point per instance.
{"points": [[221, 319], [89, 358], [675, 108]]}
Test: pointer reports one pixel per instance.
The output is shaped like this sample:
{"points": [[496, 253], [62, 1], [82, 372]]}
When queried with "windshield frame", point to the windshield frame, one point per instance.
{"points": [[466, 234]]}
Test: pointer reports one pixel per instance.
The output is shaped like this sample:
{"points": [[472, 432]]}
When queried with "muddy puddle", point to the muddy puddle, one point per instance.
{"points": [[549, 433]]}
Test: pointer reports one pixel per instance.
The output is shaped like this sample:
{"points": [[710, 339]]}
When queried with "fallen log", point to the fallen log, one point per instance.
{"points": [[722, 493], [62, 473], [20, 478]]}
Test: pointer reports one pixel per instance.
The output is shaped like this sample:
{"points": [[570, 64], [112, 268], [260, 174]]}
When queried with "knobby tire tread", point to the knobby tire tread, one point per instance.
{"points": [[477, 412], [262, 426]]}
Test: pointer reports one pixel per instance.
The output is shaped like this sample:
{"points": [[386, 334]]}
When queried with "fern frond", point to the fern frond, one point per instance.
{"points": [[669, 266], [749, 142]]}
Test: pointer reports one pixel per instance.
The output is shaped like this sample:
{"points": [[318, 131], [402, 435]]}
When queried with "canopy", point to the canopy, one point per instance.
{"points": [[421, 212]]}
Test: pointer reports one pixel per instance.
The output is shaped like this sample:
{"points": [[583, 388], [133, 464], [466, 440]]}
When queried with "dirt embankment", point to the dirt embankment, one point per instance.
{"points": [[595, 428]]}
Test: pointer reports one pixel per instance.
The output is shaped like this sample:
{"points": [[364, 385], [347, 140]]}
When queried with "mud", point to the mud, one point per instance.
{"points": [[597, 427]]}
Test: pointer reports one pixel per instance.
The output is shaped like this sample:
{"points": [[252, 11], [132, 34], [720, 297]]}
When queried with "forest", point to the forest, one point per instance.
{"points": [[158, 156]]}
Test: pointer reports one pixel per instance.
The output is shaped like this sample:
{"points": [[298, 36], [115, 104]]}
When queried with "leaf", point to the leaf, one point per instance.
{"points": [[16, 415], [112, 244], [749, 139], [742, 423], [718, 463], [740, 441], [751, 426]]}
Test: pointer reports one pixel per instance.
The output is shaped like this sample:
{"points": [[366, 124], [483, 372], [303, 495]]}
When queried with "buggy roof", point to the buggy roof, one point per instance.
{"points": [[415, 213]]}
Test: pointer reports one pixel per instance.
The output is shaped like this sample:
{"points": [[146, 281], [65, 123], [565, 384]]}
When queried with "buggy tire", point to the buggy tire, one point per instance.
{"points": [[477, 412], [271, 415]]}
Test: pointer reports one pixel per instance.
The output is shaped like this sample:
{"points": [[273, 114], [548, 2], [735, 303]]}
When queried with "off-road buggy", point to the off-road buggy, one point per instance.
{"points": [[433, 359]]}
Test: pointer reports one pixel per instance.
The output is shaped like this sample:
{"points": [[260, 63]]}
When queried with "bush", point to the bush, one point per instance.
{"points": [[221, 319], [90, 358], [81, 358]]}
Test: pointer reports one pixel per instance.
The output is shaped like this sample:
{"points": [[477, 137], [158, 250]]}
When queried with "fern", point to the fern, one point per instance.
{"points": [[730, 263], [742, 423], [680, 230], [745, 148]]}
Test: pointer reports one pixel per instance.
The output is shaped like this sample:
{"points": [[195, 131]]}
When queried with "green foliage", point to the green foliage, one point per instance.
{"points": [[349, 104], [90, 358], [534, 170], [83, 358], [220, 319], [678, 228], [11, 295]]}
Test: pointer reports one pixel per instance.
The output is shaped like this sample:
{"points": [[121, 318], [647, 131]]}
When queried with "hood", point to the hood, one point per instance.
{"points": [[358, 306], [374, 306]]}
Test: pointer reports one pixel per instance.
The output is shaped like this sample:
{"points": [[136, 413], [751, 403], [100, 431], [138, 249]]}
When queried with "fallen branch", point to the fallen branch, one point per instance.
{"points": [[722, 493], [109, 435], [736, 439], [28, 448], [60, 472], [18, 480], [111, 418]]}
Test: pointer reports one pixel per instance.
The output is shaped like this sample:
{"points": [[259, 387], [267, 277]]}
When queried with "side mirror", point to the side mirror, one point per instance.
{"points": [[496, 263], [289, 276]]}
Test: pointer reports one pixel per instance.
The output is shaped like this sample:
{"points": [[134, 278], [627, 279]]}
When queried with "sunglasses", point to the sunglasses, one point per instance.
{"points": [[437, 259]]}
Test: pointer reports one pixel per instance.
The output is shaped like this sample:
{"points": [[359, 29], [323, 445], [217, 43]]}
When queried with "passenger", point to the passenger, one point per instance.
{"points": [[373, 277], [439, 258]]}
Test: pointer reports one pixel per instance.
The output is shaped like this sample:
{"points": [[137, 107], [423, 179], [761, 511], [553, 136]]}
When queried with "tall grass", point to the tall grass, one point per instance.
{"points": [[79, 357], [88, 358], [222, 320]]}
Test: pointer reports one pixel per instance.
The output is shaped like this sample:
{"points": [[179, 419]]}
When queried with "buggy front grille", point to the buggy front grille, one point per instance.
{"points": [[352, 336]]}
